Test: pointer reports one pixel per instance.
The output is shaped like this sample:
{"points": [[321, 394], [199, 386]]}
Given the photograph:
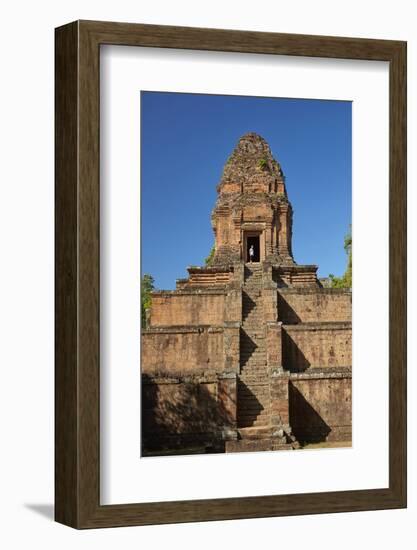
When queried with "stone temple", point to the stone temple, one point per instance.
{"points": [[248, 356]]}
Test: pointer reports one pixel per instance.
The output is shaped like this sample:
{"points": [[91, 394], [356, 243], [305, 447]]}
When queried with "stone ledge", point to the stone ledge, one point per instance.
{"points": [[321, 325], [219, 290], [202, 377], [317, 290], [210, 269], [296, 268], [322, 373], [183, 329]]}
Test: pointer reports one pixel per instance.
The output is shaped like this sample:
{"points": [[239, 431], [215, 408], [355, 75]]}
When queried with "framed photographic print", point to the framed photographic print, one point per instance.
{"points": [[230, 274]]}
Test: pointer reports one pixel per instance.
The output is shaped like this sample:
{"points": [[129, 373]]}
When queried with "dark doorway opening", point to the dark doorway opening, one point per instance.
{"points": [[253, 241]]}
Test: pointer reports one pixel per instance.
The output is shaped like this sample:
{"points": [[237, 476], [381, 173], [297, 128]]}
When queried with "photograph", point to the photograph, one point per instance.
{"points": [[209, 257], [246, 273]]}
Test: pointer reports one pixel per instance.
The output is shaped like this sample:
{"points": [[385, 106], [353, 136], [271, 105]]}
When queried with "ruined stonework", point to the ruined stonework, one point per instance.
{"points": [[248, 355]]}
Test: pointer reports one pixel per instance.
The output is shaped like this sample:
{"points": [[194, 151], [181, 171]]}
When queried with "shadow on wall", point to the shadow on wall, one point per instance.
{"points": [[247, 347], [306, 423], [249, 407], [293, 359], [181, 414], [248, 305], [276, 277], [286, 313]]}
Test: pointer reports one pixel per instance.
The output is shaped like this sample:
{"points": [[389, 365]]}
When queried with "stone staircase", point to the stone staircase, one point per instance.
{"points": [[253, 392]]}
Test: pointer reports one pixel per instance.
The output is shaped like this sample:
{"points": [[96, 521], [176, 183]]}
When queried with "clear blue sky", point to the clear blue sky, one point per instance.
{"points": [[187, 138]]}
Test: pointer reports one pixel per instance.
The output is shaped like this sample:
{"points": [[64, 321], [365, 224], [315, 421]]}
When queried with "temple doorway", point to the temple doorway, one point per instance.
{"points": [[253, 241]]}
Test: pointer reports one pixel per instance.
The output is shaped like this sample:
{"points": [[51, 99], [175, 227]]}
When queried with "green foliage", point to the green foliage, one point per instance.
{"points": [[263, 164], [346, 280], [209, 260], [146, 287]]}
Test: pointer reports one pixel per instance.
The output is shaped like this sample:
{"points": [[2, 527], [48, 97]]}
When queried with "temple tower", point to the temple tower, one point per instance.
{"points": [[248, 356], [252, 207]]}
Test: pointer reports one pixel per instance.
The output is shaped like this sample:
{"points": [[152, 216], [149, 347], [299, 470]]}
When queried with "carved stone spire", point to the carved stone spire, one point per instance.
{"points": [[252, 206]]}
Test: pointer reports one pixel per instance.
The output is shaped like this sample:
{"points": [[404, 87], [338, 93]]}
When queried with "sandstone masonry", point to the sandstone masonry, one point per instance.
{"points": [[248, 355]]}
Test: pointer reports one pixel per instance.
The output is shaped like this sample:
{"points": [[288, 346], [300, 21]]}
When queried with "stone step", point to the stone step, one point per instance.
{"points": [[254, 400], [252, 287], [253, 346], [251, 379], [253, 390], [254, 419], [258, 423], [252, 292], [253, 404], [253, 343], [255, 432], [242, 383], [252, 334], [260, 370], [259, 367], [262, 423], [253, 411], [253, 393], [253, 318], [241, 388], [255, 379], [245, 410], [252, 414]]}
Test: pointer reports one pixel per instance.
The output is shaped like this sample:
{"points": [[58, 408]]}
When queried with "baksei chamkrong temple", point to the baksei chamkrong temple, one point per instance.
{"points": [[248, 355]]}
